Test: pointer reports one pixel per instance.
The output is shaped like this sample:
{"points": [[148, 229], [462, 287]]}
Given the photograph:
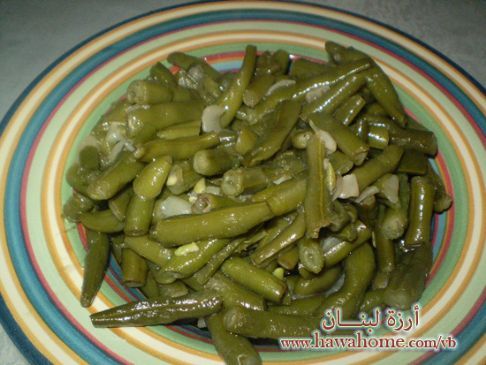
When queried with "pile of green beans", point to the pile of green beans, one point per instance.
{"points": [[254, 201]]}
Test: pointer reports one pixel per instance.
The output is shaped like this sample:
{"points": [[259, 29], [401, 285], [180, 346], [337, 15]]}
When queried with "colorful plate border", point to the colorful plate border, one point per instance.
{"points": [[31, 352]]}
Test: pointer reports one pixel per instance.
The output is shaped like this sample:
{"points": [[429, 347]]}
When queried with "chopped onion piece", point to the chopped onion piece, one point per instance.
{"points": [[281, 179], [278, 85], [316, 93], [201, 323], [325, 137], [213, 190], [366, 193], [211, 116], [279, 273], [115, 151], [116, 133], [350, 188], [200, 186], [185, 249], [173, 205]]}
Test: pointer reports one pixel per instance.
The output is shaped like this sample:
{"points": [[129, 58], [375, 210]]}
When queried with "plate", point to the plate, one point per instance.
{"points": [[41, 255]]}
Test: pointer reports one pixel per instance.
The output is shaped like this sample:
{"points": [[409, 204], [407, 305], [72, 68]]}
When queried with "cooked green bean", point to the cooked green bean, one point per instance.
{"points": [[413, 162], [262, 324], [101, 221], [395, 220], [234, 349], [420, 213], [151, 250], [159, 310], [246, 141], [76, 205], [375, 168], [119, 203], [287, 116], [163, 75], [138, 216], [407, 281], [347, 142], [164, 115], [336, 251], [359, 268], [311, 255], [289, 258], [302, 68], [385, 248], [255, 279], [214, 161], [332, 99], [173, 290], [287, 237], [148, 92], [283, 198], [185, 265], [182, 177], [95, 264], [112, 180], [257, 89], [151, 287], [234, 294], [320, 283], [188, 129], [300, 307], [346, 113], [378, 137], [442, 200], [134, 269], [371, 300], [179, 148], [150, 181], [244, 180], [317, 202], [222, 223]]}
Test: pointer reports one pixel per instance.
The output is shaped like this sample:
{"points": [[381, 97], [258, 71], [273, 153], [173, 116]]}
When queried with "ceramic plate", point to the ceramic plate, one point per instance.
{"points": [[41, 255]]}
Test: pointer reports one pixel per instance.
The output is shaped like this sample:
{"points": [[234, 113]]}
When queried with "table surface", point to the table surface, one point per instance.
{"points": [[34, 33]]}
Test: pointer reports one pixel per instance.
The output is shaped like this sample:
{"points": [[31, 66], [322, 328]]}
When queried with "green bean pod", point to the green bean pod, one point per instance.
{"points": [[287, 237], [318, 200], [311, 255], [288, 258], [413, 162], [373, 169], [283, 198], [257, 88], [187, 129], [164, 115], [244, 180], [148, 92], [332, 99], [442, 200], [149, 183], [263, 324], [134, 269], [159, 310], [322, 282], [299, 307], [340, 162], [234, 294], [395, 220], [182, 177], [222, 223], [385, 248], [95, 264], [101, 221], [407, 281], [138, 216], [255, 279], [420, 213], [287, 116], [232, 98], [119, 203], [149, 249], [185, 265], [347, 142], [162, 74], [76, 205], [173, 290], [234, 349], [346, 113], [371, 300], [178, 149], [112, 180], [338, 251], [359, 269], [214, 161]]}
